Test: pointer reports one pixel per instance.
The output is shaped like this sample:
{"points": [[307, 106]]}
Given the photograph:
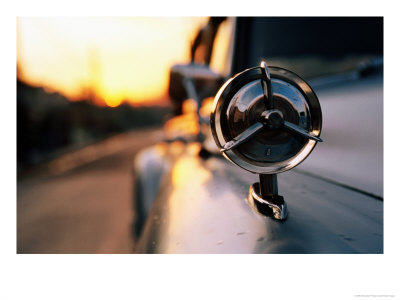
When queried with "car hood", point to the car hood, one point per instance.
{"points": [[202, 208]]}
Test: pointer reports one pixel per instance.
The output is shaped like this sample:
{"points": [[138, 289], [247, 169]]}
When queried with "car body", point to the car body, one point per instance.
{"points": [[190, 199]]}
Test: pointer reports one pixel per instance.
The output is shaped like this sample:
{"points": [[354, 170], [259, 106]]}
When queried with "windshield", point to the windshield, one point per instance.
{"points": [[309, 46]]}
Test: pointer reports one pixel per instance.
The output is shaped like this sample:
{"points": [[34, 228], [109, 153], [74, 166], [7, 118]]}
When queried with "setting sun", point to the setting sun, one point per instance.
{"points": [[107, 59]]}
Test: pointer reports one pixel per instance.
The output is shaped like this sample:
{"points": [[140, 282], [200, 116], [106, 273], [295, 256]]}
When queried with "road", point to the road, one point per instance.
{"points": [[81, 203]]}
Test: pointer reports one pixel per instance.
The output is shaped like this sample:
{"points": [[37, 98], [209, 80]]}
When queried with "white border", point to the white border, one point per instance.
{"points": [[197, 276]]}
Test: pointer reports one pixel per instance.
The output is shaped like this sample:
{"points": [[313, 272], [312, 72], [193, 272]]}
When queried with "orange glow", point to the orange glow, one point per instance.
{"points": [[108, 59], [112, 100], [182, 172], [186, 124], [206, 107], [189, 106], [188, 178]]}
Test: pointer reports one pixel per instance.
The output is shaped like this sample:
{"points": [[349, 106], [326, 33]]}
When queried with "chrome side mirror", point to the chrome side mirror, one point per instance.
{"points": [[266, 121], [196, 80]]}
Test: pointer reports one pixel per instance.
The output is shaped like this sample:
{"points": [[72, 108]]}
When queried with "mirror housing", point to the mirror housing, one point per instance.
{"points": [[196, 80], [192, 81]]}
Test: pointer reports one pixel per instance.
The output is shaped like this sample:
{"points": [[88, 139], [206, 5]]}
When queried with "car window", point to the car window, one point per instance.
{"points": [[309, 46]]}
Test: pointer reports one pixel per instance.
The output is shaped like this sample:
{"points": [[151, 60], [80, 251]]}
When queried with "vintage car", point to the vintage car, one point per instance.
{"points": [[243, 120]]}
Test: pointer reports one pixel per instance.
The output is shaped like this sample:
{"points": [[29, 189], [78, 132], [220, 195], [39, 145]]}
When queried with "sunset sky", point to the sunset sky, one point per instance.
{"points": [[119, 58]]}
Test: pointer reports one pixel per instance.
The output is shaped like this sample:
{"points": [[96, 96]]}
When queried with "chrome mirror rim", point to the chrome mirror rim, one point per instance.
{"points": [[224, 97]]}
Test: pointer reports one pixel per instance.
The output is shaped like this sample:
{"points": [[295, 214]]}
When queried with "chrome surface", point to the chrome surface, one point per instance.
{"points": [[262, 129], [279, 210], [240, 104], [243, 137], [267, 86], [273, 120], [301, 131], [268, 185]]}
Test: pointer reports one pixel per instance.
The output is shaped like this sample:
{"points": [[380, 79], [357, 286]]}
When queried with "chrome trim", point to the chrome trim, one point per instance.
{"points": [[279, 211]]}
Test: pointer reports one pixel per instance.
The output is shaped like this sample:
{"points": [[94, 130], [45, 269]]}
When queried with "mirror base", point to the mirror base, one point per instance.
{"points": [[272, 205]]}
